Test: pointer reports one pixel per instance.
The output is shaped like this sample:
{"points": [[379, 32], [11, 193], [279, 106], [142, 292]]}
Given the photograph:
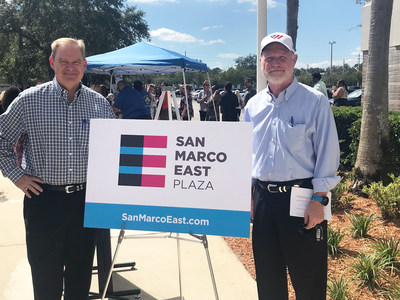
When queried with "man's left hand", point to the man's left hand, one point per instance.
{"points": [[314, 214]]}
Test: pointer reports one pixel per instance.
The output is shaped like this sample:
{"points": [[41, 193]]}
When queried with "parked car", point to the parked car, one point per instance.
{"points": [[195, 94], [353, 98]]}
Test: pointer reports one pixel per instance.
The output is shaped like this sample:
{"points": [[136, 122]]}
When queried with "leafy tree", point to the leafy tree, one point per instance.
{"points": [[248, 62], [27, 28]]}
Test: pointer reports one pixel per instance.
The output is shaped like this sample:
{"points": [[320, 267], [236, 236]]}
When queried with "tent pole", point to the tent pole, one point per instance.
{"points": [[186, 93], [215, 110]]}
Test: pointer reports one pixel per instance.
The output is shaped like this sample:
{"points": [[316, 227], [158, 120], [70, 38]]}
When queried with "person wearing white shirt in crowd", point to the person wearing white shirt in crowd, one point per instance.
{"points": [[319, 85]]}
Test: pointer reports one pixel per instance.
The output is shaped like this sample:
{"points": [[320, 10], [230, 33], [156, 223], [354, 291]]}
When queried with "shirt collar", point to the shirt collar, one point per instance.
{"points": [[61, 91], [286, 94]]}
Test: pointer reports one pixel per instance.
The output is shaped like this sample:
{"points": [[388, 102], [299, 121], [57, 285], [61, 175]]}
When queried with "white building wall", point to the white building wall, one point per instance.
{"points": [[394, 51]]}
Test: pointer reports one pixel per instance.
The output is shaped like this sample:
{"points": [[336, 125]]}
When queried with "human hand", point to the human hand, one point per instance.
{"points": [[314, 214], [28, 184]]}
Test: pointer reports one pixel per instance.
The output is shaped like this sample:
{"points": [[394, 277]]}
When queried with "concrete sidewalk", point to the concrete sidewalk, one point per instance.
{"points": [[156, 270]]}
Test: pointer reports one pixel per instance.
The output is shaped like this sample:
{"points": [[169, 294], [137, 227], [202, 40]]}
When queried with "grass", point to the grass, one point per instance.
{"points": [[334, 239], [369, 269], [338, 288], [360, 224], [388, 249]]}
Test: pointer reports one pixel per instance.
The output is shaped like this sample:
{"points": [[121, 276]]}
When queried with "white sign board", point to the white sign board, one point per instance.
{"points": [[187, 177]]}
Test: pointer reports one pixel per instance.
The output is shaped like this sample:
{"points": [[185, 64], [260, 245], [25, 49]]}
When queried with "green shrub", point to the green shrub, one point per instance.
{"points": [[348, 124], [389, 250], [334, 239], [360, 224], [392, 291], [386, 197], [345, 117], [348, 199], [337, 193], [369, 270], [338, 289]]}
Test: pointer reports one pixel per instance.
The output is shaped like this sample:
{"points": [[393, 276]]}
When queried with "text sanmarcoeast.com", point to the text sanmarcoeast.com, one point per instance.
{"points": [[166, 219]]}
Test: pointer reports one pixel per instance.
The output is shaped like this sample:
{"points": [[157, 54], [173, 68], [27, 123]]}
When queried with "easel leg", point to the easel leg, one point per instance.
{"points": [[205, 244], [178, 245], [120, 238], [204, 241]]}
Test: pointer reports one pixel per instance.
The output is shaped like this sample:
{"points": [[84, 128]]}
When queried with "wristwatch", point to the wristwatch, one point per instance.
{"points": [[323, 200]]}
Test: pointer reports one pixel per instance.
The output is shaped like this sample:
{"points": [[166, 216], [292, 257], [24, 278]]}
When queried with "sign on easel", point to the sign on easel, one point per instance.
{"points": [[185, 177]]}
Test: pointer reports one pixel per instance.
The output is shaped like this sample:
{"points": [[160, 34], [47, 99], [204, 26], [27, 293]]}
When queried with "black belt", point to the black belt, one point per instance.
{"points": [[70, 188], [284, 186]]}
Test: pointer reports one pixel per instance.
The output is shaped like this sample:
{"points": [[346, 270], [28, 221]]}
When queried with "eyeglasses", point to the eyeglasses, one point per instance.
{"points": [[206, 84]]}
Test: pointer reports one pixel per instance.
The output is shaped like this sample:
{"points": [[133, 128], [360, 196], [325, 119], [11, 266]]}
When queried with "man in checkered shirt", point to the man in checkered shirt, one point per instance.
{"points": [[55, 119]]}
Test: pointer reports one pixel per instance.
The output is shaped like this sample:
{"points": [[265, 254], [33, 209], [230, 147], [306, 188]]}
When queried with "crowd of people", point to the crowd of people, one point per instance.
{"points": [[138, 102]]}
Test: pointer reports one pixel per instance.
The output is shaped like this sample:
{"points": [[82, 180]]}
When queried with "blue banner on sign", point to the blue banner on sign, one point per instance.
{"points": [[168, 219]]}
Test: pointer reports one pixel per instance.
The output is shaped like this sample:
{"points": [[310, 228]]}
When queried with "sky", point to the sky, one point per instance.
{"points": [[219, 31]]}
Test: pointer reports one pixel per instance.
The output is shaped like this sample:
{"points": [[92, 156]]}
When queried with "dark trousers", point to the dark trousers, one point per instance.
{"points": [[203, 115], [60, 250], [280, 243]]}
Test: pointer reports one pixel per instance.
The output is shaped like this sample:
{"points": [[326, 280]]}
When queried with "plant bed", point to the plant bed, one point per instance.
{"points": [[350, 246]]}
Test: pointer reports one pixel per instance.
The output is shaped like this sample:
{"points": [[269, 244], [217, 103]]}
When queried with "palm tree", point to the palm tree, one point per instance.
{"points": [[292, 13], [374, 155]]}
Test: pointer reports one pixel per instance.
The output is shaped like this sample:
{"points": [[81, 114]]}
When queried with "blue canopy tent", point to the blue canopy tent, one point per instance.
{"points": [[142, 58]]}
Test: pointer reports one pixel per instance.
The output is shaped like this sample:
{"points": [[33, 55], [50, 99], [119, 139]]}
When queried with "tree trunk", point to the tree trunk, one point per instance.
{"points": [[374, 157], [292, 13]]}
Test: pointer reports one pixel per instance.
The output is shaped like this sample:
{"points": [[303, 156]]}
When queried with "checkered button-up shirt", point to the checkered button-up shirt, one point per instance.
{"points": [[56, 133]]}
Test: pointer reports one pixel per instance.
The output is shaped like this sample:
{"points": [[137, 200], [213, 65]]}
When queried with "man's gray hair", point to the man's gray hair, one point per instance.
{"points": [[67, 41]]}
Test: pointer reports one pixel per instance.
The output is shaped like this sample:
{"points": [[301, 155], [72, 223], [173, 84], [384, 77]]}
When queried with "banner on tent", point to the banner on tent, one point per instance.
{"points": [[187, 177]]}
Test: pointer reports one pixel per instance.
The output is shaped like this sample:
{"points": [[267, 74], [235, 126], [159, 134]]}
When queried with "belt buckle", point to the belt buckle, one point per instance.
{"points": [[69, 189], [272, 186]]}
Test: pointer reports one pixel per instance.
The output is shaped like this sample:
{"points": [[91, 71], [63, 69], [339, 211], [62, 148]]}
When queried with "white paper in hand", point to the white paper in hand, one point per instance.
{"points": [[300, 199]]}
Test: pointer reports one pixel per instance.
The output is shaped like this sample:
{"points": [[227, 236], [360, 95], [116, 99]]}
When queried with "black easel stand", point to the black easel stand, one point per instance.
{"points": [[103, 248]]}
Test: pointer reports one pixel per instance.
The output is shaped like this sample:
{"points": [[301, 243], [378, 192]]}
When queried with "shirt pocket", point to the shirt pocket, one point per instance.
{"points": [[295, 136]]}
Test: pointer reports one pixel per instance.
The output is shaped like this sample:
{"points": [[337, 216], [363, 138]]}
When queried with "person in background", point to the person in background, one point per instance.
{"points": [[204, 96], [339, 94], [295, 143], [319, 85], [55, 117], [164, 107], [1, 102], [250, 90], [241, 104], [9, 95], [146, 97], [229, 103], [213, 105], [183, 106], [153, 104], [129, 103]]}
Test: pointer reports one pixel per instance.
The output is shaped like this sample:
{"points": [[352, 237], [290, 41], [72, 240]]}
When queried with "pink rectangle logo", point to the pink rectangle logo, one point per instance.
{"points": [[154, 161], [153, 180], [153, 141]]}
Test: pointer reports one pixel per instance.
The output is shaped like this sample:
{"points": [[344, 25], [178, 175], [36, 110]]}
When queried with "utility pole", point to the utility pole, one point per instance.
{"points": [[330, 73], [261, 33]]}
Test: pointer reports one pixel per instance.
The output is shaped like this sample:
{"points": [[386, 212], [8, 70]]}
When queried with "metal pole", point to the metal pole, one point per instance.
{"points": [[261, 33], [120, 238], [331, 43]]}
